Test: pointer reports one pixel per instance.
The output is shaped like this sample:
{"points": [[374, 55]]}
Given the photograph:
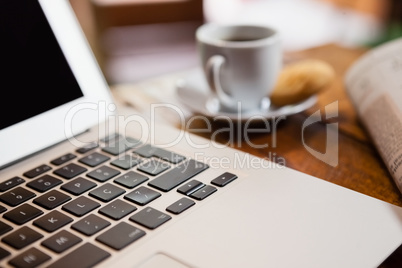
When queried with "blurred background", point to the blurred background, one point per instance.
{"points": [[139, 39]]}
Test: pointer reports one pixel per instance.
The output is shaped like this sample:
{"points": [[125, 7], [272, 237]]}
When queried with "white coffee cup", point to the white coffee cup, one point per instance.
{"points": [[241, 63]]}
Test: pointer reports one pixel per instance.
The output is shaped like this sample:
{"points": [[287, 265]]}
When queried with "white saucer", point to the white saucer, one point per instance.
{"points": [[193, 92]]}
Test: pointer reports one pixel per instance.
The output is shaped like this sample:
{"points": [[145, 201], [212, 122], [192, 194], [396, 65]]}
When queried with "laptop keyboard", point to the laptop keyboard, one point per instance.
{"points": [[91, 193]]}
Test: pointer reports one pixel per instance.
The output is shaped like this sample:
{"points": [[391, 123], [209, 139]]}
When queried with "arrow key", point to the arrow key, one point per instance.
{"points": [[190, 187], [224, 179], [203, 192], [180, 205]]}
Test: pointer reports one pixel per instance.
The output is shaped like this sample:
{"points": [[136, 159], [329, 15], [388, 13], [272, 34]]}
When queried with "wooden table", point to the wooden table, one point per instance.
{"points": [[359, 168]]}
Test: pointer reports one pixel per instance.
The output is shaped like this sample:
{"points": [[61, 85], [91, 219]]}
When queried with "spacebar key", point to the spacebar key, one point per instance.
{"points": [[178, 175], [85, 256]]}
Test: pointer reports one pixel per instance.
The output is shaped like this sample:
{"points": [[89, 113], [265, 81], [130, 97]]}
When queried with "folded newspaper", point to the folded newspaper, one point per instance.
{"points": [[374, 84]]}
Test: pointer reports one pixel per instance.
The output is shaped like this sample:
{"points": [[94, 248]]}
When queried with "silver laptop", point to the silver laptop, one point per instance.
{"points": [[82, 185]]}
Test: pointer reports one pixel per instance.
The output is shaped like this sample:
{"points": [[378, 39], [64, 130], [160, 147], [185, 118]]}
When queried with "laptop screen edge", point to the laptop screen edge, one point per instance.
{"points": [[74, 117]]}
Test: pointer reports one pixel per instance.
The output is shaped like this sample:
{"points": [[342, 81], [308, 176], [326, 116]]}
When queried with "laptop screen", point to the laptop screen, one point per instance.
{"points": [[50, 78], [35, 72]]}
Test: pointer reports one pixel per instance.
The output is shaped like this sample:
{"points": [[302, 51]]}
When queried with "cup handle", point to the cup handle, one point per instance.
{"points": [[213, 69]]}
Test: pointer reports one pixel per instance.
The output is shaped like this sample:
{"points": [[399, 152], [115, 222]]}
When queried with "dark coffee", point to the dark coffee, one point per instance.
{"points": [[240, 39]]}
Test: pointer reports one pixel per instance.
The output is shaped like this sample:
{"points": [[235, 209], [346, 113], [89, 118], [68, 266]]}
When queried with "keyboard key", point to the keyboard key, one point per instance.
{"points": [[142, 195], [94, 159], [63, 159], [89, 147], [16, 196], [131, 179], [22, 214], [132, 142], [178, 175], [180, 205], [224, 179], [86, 255], [103, 173], [30, 258], [52, 221], [117, 209], [61, 241], [8, 184], [168, 156], [44, 183], [70, 171], [3, 253], [90, 225], [21, 237], [148, 151], [153, 167], [150, 218], [81, 206], [52, 199], [120, 235], [203, 192], [126, 162], [37, 171], [106, 192], [121, 145], [2, 209], [78, 186], [4, 228], [190, 187], [111, 138]]}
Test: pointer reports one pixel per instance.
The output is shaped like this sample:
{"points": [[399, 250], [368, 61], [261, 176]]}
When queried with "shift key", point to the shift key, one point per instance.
{"points": [[178, 175], [120, 236]]}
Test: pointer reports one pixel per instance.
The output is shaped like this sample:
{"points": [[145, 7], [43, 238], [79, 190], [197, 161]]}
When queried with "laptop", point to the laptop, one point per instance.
{"points": [[82, 185]]}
